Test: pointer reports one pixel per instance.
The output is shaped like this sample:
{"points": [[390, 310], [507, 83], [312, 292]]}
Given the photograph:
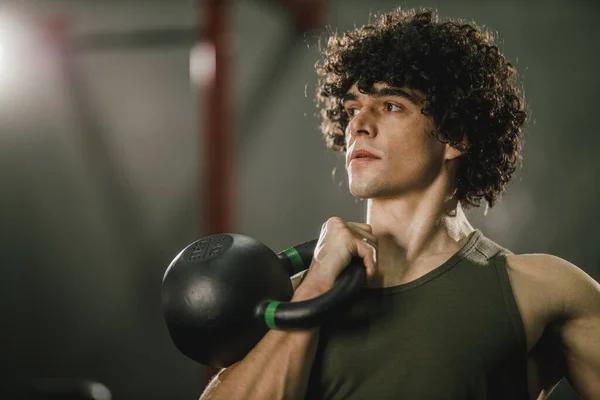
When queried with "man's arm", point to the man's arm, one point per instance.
{"points": [[277, 368], [580, 329], [579, 325]]}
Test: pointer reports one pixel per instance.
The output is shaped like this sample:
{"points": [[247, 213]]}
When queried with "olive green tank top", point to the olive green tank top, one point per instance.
{"points": [[454, 333]]}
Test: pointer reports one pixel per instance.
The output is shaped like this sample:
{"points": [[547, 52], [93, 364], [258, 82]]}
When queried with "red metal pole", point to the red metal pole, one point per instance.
{"points": [[215, 105]]}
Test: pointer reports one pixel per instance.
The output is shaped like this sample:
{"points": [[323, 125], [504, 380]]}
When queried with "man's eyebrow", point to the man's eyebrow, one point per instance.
{"points": [[387, 91]]}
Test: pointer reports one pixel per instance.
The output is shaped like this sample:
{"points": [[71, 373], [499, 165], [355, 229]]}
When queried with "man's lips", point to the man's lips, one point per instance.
{"points": [[362, 155], [363, 160]]}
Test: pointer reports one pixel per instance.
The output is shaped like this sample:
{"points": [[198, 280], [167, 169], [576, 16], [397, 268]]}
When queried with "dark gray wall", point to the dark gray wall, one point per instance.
{"points": [[85, 245]]}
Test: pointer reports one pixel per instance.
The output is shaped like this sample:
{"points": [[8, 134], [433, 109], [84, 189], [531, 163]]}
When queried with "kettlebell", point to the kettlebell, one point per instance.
{"points": [[222, 293]]}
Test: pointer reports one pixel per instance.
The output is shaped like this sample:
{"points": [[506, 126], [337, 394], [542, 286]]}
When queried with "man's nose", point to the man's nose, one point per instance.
{"points": [[362, 125]]}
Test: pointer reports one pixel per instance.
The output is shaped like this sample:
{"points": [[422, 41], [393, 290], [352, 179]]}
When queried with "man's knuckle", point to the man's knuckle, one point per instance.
{"points": [[335, 220], [347, 235]]}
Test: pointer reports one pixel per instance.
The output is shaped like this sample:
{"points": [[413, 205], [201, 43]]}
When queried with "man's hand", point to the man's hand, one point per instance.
{"points": [[339, 241]]}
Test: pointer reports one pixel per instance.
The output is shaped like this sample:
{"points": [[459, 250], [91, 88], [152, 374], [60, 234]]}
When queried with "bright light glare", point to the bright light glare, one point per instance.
{"points": [[19, 60], [202, 63], [9, 31], [17, 48]]}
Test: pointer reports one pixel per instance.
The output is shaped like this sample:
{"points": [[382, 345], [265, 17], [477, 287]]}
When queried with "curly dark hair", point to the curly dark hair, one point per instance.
{"points": [[469, 88]]}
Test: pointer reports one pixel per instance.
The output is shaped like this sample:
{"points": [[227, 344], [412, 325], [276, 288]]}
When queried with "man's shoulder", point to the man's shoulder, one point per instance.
{"points": [[547, 267], [562, 282]]}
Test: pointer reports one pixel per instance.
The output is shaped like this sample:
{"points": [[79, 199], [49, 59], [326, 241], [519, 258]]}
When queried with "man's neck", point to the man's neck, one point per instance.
{"points": [[415, 234]]}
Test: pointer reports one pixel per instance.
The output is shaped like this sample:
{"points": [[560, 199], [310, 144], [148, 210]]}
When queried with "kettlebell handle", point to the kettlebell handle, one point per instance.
{"points": [[310, 313]]}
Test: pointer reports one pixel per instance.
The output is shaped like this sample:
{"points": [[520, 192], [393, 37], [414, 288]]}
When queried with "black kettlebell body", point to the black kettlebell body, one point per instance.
{"points": [[210, 292]]}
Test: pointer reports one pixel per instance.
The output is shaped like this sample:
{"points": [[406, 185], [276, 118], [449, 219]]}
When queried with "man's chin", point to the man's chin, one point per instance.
{"points": [[363, 193], [371, 192]]}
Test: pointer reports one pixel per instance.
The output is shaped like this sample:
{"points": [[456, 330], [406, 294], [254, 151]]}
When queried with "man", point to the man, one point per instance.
{"points": [[430, 120]]}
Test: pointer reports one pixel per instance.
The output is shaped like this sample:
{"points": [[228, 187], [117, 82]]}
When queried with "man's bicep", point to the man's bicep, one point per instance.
{"points": [[581, 340], [580, 331]]}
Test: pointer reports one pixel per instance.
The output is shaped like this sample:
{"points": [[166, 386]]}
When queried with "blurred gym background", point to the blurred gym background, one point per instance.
{"points": [[109, 129]]}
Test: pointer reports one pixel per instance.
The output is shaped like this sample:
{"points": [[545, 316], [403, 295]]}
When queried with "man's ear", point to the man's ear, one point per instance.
{"points": [[451, 152]]}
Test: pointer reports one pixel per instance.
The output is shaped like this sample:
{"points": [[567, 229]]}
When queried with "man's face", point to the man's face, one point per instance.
{"points": [[389, 124]]}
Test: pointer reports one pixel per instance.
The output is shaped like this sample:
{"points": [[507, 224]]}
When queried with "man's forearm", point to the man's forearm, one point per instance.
{"points": [[278, 367]]}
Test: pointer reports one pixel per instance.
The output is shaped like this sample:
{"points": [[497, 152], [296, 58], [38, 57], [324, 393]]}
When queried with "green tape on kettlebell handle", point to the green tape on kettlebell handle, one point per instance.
{"points": [[270, 314], [297, 263]]}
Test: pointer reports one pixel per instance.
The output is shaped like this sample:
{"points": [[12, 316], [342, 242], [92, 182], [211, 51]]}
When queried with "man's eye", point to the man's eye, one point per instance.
{"points": [[392, 107], [351, 111]]}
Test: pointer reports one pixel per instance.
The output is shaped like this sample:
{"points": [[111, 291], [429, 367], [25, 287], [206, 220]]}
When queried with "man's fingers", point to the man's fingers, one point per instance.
{"points": [[369, 255], [365, 227], [366, 245], [358, 238], [360, 232]]}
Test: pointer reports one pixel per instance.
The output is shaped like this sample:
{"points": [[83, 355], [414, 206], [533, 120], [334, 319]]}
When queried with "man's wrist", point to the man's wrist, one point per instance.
{"points": [[309, 289]]}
